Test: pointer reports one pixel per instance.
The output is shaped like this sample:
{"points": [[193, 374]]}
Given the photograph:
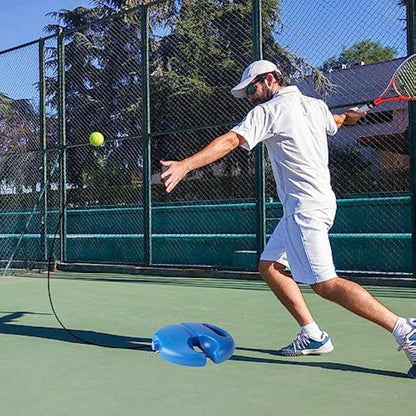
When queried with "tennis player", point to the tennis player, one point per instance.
{"points": [[294, 129]]}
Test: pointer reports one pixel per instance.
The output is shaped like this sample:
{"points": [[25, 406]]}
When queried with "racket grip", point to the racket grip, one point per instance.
{"points": [[366, 107]]}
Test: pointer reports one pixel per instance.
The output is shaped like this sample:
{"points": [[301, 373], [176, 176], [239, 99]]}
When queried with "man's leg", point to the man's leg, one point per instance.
{"points": [[356, 299], [286, 290], [310, 340]]}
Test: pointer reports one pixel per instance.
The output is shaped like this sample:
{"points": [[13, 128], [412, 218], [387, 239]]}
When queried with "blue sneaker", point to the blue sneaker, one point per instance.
{"points": [[409, 347], [304, 345]]}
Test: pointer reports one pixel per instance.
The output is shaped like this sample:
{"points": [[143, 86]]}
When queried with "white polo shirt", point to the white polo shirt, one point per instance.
{"points": [[294, 128]]}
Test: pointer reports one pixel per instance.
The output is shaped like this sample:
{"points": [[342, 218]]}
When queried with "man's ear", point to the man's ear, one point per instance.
{"points": [[270, 79]]}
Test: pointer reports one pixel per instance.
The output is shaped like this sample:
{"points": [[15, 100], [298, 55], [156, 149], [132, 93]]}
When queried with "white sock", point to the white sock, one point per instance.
{"points": [[401, 329], [312, 330]]}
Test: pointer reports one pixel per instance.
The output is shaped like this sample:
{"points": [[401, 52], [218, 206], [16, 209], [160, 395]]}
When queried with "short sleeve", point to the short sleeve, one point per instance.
{"points": [[331, 126], [255, 127]]}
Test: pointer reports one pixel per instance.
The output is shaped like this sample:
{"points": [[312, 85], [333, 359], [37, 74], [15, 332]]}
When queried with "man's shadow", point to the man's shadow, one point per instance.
{"points": [[267, 358], [103, 339], [77, 336]]}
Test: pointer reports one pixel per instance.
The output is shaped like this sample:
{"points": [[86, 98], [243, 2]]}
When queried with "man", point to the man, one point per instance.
{"points": [[294, 129]]}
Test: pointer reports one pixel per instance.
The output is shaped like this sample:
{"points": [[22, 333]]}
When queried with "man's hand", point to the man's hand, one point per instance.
{"points": [[352, 116], [349, 118], [174, 173]]}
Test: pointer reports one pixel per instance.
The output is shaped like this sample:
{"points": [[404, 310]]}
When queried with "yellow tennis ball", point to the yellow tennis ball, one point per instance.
{"points": [[96, 138]]}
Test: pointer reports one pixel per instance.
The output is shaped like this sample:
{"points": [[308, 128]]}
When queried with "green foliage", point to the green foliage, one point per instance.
{"points": [[19, 136], [366, 51], [198, 50], [102, 81], [193, 66]]}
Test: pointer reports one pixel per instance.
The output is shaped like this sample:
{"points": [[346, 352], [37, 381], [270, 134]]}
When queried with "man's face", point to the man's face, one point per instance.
{"points": [[259, 91]]}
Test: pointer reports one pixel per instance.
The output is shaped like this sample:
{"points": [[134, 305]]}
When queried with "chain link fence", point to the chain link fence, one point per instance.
{"points": [[19, 154], [156, 80], [354, 57]]}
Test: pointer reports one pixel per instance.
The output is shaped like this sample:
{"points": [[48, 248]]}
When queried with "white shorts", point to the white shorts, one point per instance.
{"points": [[301, 242]]}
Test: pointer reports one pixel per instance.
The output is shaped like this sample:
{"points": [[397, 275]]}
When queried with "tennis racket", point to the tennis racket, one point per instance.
{"points": [[402, 86]]}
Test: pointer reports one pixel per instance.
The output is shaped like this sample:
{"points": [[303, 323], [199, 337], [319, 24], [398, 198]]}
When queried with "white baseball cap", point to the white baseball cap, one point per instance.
{"points": [[250, 73]]}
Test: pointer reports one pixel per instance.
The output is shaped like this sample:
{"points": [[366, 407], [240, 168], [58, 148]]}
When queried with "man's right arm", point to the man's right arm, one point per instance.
{"points": [[218, 148]]}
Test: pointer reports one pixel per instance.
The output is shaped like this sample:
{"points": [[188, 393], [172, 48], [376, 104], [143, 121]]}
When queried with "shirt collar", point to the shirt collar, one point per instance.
{"points": [[287, 90]]}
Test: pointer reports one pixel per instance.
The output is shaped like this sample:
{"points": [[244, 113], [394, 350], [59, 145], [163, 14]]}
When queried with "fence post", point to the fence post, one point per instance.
{"points": [[43, 158], [146, 148], [62, 143], [259, 152], [411, 49]]}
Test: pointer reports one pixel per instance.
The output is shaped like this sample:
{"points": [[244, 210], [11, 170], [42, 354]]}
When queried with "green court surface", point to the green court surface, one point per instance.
{"points": [[45, 371]]}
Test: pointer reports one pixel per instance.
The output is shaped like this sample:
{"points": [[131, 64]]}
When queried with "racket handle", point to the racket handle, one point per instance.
{"points": [[366, 107]]}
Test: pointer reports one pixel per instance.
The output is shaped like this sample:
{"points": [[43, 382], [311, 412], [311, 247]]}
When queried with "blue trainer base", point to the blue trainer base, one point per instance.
{"points": [[176, 343]]}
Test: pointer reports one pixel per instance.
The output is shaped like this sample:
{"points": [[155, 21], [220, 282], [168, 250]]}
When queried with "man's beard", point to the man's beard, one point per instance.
{"points": [[262, 100]]}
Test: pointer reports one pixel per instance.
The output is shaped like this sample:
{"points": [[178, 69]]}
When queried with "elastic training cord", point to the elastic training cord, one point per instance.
{"points": [[49, 265], [69, 331]]}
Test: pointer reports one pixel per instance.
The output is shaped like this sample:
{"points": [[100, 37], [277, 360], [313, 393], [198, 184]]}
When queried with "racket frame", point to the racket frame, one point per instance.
{"points": [[391, 86]]}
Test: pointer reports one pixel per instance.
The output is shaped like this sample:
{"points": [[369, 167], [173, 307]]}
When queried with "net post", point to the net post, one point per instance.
{"points": [[259, 152], [43, 157], [146, 145], [62, 142], [411, 49]]}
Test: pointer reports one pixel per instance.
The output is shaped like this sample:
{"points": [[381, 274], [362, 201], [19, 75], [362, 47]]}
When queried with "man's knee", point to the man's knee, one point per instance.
{"points": [[326, 288], [263, 267], [266, 268]]}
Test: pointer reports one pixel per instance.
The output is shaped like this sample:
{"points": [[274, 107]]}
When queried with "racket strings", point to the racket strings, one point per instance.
{"points": [[405, 82]]}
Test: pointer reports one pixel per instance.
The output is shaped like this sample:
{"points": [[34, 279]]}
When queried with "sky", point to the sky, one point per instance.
{"points": [[315, 33], [22, 21], [326, 27]]}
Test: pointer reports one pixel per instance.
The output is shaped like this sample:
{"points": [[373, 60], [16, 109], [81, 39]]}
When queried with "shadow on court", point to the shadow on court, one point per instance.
{"points": [[325, 365], [77, 336], [108, 340], [399, 291]]}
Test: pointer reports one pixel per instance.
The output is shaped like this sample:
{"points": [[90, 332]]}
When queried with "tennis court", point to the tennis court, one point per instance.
{"points": [[154, 78], [45, 371]]}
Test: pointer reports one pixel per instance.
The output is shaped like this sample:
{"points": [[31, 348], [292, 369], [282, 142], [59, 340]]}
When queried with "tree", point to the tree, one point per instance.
{"points": [[19, 136], [207, 46], [102, 83], [198, 50], [196, 64], [366, 51]]}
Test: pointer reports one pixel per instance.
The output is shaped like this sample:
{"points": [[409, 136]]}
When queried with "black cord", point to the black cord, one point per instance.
{"points": [[69, 331]]}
